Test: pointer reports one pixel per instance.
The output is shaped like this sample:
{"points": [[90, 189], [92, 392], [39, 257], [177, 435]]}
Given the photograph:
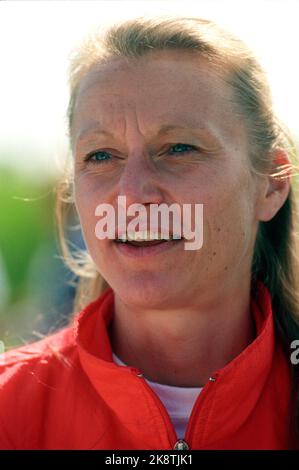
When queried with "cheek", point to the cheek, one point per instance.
{"points": [[86, 200], [228, 220], [231, 225]]}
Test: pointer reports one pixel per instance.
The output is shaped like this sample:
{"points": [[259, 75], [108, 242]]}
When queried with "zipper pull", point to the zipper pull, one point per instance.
{"points": [[181, 445]]}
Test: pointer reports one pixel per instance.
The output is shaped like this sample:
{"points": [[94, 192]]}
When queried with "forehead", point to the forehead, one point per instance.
{"points": [[160, 74], [160, 87]]}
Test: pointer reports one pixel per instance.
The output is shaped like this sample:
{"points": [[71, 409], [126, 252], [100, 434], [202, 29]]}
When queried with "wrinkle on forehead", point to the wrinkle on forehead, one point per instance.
{"points": [[171, 93]]}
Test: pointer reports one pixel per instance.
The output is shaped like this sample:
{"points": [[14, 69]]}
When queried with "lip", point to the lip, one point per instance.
{"points": [[146, 251], [161, 231]]}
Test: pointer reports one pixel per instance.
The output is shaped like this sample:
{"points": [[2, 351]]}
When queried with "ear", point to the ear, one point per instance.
{"points": [[275, 189]]}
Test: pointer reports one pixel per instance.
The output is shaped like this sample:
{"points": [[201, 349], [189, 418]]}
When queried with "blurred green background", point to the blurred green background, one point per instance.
{"points": [[36, 288]]}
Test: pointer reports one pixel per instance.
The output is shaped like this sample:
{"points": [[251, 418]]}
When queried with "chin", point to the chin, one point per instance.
{"points": [[146, 293]]}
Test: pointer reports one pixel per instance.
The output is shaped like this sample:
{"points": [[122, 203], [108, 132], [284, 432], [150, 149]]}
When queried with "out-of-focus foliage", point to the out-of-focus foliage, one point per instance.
{"points": [[36, 297], [26, 221]]}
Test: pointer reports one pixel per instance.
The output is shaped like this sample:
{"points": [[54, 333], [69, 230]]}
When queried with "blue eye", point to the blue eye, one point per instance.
{"points": [[181, 148], [98, 157], [101, 156]]}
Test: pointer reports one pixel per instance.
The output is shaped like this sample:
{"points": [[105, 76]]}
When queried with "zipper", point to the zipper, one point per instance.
{"points": [[173, 438], [198, 403]]}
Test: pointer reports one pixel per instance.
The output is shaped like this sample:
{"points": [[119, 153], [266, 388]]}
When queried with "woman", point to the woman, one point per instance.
{"points": [[174, 348]]}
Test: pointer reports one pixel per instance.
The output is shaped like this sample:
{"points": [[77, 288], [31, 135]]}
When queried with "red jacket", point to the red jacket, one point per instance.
{"points": [[64, 392]]}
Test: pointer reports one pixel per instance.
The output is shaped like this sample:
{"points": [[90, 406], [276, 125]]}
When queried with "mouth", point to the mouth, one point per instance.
{"points": [[146, 243], [141, 243], [146, 238]]}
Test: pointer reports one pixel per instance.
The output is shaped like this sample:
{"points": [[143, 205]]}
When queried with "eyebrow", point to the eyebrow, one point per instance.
{"points": [[94, 129]]}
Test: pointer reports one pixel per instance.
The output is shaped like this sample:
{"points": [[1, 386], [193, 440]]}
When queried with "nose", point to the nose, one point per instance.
{"points": [[139, 180]]}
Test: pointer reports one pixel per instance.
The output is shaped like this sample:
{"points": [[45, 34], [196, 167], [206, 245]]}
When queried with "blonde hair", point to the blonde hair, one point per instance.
{"points": [[275, 260]]}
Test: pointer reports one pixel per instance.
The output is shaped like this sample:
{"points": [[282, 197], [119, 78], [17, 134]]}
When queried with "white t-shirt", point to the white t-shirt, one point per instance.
{"points": [[178, 401]]}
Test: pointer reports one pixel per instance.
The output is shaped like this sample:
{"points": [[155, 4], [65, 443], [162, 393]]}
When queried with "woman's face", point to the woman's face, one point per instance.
{"points": [[145, 107]]}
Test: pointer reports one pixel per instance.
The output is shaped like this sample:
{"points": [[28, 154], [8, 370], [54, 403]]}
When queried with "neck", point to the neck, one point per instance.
{"points": [[184, 347]]}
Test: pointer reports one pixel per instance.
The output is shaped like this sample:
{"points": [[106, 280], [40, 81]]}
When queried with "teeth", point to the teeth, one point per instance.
{"points": [[145, 235], [123, 237]]}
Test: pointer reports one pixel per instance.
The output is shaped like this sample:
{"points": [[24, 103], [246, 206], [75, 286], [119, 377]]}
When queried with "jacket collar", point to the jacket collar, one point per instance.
{"points": [[248, 371]]}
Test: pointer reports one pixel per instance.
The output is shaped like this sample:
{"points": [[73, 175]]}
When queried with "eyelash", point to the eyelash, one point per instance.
{"points": [[89, 156]]}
